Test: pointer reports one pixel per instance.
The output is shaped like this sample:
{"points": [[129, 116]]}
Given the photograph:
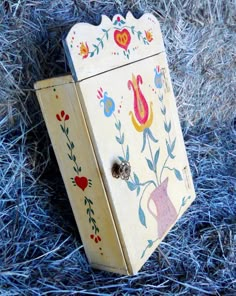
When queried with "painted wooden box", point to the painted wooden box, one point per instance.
{"points": [[115, 130]]}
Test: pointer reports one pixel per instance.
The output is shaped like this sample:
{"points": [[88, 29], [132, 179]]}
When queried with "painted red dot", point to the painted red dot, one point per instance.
{"points": [[57, 96], [96, 240], [118, 19], [92, 236]]}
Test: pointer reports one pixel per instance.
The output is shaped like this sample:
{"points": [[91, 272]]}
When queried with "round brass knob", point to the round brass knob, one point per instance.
{"points": [[121, 170]]}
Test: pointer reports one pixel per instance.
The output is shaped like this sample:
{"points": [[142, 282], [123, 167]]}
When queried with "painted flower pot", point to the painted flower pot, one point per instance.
{"points": [[165, 213]]}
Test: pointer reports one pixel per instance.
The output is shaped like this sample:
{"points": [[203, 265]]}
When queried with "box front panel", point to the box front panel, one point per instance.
{"points": [[74, 152], [132, 116]]}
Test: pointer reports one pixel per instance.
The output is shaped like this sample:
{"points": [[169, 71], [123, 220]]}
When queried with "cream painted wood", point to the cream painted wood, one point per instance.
{"points": [[95, 49], [136, 235], [56, 95], [121, 108]]}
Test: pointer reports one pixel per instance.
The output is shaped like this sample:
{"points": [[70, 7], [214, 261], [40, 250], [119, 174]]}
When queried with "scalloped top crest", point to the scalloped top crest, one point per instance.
{"points": [[95, 49]]}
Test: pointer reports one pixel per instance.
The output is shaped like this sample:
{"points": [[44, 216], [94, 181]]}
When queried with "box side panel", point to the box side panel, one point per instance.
{"points": [[81, 175], [132, 116]]}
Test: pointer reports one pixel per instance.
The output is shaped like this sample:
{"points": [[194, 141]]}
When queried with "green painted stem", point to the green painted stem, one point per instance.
{"points": [[133, 30], [164, 165], [149, 247], [148, 183], [155, 171], [96, 230], [71, 154], [100, 41]]}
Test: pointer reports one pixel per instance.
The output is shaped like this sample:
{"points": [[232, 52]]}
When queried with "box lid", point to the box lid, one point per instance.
{"points": [[92, 50]]}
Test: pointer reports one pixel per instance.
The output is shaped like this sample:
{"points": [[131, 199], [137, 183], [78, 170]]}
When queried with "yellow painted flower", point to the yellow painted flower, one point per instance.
{"points": [[143, 115], [149, 36], [84, 50]]}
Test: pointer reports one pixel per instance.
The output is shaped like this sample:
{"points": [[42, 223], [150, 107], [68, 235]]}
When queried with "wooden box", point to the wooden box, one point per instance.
{"points": [[117, 116]]}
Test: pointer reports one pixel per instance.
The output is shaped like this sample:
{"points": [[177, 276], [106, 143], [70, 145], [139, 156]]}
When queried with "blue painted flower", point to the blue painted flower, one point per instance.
{"points": [[108, 104], [158, 77]]}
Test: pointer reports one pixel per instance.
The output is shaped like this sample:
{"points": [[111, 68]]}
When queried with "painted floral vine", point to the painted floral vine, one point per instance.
{"points": [[122, 35], [142, 119], [79, 180]]}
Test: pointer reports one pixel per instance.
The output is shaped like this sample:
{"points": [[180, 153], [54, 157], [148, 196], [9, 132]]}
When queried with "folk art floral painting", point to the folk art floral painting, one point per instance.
{"points": [[127, 105], [159, 158]]}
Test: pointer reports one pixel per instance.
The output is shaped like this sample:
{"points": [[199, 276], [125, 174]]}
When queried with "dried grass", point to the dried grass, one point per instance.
{"points": [[40, 248]]}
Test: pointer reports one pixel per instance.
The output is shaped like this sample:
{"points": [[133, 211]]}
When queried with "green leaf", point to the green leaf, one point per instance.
{"points": [[127, 153], [69, 156], [142, 217], [136, 179], [75, 169], [74, 158], [68, 145], [150, 165], [139, 34], [121, 139], [79, 169], [85, 201], [62, 128], [72, 145], [91, 54], [122, 22], [89, 201], [156, 157], [138, 190], [92, 220], [160, 98], [150, 134], [132, 29], [100, 40], [96, 48], [173, 145], [118, 125], [121, 158], [150, 243], [178, 174], [167, 126], [163, 111], [90, 211], [183, 202], [131, 185], [169, 150]]}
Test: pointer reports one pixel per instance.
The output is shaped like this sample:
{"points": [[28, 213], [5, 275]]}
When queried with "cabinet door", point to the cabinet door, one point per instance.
{"points": [[132, 116]]}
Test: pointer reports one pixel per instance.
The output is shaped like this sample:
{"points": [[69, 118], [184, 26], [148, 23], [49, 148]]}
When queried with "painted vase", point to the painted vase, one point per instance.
{"points": [[165, 213]]}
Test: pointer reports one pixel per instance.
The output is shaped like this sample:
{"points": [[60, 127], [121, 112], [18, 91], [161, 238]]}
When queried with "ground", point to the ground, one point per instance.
{"points": [[40, 248]]}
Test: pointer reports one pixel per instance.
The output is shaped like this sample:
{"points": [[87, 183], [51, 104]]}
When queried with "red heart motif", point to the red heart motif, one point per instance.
{"points": [[82, 182], [122, 38]]}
